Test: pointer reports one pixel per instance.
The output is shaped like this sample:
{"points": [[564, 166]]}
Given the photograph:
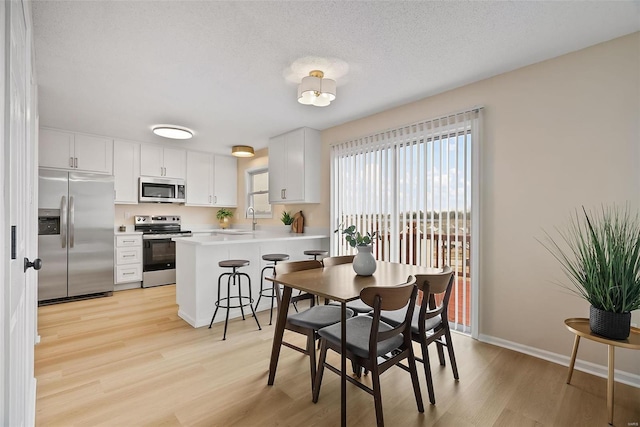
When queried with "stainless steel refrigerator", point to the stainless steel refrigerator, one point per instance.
{"points": [[75, 234]]}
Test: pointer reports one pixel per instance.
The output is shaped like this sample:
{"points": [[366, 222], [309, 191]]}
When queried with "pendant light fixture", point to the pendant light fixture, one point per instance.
{"points": [[315, 90], [173, 132], [242, 151]]}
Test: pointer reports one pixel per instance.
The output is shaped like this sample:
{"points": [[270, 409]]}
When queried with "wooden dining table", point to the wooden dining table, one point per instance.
{"points": [[341, 284]]}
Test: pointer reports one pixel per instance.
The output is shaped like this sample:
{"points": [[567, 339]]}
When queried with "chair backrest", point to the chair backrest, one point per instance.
{"points": [[389, 298], [290, 267], [337, 260], [433, 284]]}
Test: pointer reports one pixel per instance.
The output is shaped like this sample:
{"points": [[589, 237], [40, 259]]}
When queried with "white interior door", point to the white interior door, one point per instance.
{"points": [[19, 216]]}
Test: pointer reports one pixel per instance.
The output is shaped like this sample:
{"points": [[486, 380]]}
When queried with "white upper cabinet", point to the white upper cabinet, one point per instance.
{"points": [[75, 151], [225, 180], [294, 167], [126, 170], [163, 161], [211, 180], [199, 179]]}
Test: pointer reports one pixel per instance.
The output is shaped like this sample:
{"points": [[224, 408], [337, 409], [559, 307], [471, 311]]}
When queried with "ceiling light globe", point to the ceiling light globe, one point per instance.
{"points": [[307, 98], [315, 90], [329, 89], [321, 101]]}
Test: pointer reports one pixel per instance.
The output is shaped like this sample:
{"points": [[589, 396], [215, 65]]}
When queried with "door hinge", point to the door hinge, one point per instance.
{"points": [[13, 242]]}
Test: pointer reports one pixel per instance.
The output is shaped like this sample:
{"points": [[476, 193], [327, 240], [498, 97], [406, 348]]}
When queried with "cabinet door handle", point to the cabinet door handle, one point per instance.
{"points": [[128, 256], [128, 274], [70, 162], [215, 199], [128, 241], [284, 192], [75, 162]]}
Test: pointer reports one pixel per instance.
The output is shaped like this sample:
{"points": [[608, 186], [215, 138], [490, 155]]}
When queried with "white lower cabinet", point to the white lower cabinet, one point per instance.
{"points": [[128, 266]]}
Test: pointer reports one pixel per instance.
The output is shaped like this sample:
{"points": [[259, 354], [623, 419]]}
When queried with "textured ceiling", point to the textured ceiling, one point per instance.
{"points": [[228, 69]]}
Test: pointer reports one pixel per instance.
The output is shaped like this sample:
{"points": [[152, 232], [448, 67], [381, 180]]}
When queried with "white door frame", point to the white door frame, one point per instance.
{"points": [[18, 174]]}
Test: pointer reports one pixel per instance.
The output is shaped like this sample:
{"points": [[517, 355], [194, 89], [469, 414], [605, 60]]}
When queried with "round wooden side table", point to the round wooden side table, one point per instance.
{"points": [[580, 327]]}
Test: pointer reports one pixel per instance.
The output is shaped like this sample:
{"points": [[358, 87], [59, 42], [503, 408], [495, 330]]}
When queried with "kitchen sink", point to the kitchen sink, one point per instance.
{"points": [[233, 231]]}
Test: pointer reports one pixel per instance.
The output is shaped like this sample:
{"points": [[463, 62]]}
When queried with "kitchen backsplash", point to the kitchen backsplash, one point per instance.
{"points": [[189, 214]]}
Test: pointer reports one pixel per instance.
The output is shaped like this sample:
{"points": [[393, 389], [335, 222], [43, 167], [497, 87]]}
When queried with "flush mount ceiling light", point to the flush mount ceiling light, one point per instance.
{"points": [[315, 90], [242, 151], [173, 132]]}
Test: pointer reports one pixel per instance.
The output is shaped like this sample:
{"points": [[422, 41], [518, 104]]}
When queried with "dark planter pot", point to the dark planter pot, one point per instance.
{"points": [[616, 326]]}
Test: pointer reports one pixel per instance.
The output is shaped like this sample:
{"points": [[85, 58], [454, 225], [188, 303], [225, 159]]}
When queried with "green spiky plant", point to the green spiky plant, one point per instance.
{"points": [[355, 238], [602, 261], [224, 213], [286, 218]]}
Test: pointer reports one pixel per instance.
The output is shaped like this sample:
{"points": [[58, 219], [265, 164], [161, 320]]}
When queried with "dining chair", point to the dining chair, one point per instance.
{"points": [[368, 338], [357, 306], [309, 321], [430, 323]]}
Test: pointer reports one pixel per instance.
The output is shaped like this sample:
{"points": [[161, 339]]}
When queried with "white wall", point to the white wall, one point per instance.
{"points": [[557, 135]]}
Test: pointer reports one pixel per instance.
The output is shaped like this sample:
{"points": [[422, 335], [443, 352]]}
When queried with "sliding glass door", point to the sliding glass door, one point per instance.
{"points": [[414, 186]]}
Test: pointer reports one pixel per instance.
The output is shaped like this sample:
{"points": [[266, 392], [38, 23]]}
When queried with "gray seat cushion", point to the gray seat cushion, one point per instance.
{"points": [[358, 306], [318, 316], [358, 330], [397, 317]]}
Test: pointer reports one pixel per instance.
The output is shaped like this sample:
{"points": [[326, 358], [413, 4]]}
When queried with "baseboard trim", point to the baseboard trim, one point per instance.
{"points": [[581, 365], [190, 320]]}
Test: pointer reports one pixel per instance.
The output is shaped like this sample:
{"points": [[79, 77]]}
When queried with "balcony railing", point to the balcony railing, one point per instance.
{"points": [[432, 248]]}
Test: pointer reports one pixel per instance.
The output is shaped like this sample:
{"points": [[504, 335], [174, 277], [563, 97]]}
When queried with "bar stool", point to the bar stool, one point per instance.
{"points": [[242, 301], [315, 253], [273, 258]]}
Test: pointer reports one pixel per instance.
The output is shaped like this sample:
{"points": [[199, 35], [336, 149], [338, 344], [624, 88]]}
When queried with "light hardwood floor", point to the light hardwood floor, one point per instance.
{"points": [[129, 360]]}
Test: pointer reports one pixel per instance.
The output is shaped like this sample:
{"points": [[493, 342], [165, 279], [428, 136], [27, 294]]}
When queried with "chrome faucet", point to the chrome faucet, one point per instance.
{"points": [[253, 216]]}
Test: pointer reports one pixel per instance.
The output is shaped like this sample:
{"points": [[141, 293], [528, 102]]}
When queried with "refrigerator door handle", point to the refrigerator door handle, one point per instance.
{"points": [[63, 220], [72, 212]]}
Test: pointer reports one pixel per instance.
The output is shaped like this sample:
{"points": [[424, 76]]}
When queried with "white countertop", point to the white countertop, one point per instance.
{"points": [[240, 237]]}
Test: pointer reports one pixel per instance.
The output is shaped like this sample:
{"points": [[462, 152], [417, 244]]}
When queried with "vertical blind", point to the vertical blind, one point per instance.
{"points": [[413, 186]]}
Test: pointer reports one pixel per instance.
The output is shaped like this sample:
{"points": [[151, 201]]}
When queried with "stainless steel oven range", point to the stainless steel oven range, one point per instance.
{"points": [[158, 250]]}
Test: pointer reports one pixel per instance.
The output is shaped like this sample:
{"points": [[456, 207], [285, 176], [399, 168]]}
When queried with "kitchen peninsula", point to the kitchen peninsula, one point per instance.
{"points": [[197, 268]]}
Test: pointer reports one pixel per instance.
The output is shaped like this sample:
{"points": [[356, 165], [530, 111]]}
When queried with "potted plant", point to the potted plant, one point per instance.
{"points": [[600, 255], [364, 264], [224, 216], [286, 219]]}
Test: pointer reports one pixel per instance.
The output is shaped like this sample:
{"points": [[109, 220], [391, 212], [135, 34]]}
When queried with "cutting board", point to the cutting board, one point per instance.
{"points": [[298, 223]]}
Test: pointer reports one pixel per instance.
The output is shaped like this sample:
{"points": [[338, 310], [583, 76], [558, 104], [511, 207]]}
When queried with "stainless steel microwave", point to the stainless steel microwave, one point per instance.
{"points": [[161, 190]]}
